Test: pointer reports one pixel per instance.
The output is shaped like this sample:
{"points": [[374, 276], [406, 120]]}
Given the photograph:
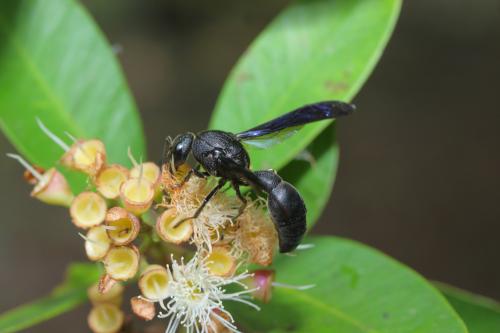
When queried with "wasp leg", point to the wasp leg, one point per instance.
{"points": [[242, 199], [209, 196]]}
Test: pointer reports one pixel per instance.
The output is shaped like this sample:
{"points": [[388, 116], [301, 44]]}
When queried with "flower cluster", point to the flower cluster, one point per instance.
{"points": [[139, 224]]}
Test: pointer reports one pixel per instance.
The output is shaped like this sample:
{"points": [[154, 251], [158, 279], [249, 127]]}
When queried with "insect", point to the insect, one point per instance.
{"points": [[222, 154]]}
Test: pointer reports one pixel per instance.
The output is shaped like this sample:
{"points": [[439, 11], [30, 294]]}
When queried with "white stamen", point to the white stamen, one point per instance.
{"points": [[195, 297], [78, 143], [291, 286], [92, 240], [27, 166], [131, 157], [52, 136], [110, 227], [68, 134], [141, 171]]}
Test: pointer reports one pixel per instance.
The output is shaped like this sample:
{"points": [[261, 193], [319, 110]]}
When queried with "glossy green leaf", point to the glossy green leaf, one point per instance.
{"points": [[313, 175], [56, 65], [63, 299], [358, 289], [314, 50], [480, 314]]}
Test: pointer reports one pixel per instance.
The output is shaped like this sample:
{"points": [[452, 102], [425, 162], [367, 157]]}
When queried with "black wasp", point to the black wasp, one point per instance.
{"points": [[222, 154]]}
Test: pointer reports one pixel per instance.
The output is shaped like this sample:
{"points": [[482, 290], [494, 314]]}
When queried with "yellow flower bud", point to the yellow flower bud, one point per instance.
{"points": [[122, 262], [87, 156], [88, 209], [97, 243], [105, 318], [220, 262], [150, 171], [122, 226], [110, 179], [137, 195], [153, 282], [168, 229]]}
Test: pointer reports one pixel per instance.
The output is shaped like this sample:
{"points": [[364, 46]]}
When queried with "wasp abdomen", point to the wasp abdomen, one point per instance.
{"points": [[287, 209]]}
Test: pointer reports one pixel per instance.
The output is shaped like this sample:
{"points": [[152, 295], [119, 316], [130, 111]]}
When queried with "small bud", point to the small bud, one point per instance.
{"points": [[97, 243], [105, 283], [122, 262], [114, 295], [168, 229], [88, 209], [150, 171], [122, 226], [109, 180], [262, 281], [137, 195], [51, 186], [105, 318], [87, 156], [153, 282], [220, 262], [142, 308], [53, 189]]}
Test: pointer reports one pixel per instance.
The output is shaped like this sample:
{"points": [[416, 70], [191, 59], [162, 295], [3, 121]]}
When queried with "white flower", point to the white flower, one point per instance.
{"points": [[195, 297], [217, 214]]}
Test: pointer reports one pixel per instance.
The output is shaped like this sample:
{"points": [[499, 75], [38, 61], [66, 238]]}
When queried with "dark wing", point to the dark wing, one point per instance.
{"points": [[278, 129]]}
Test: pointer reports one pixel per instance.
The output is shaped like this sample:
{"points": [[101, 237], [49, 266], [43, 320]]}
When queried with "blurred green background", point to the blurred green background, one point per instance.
{"points": [[419, 172]]}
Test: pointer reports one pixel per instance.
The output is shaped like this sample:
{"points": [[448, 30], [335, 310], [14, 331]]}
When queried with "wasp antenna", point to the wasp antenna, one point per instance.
{"points": [[26, 165]]}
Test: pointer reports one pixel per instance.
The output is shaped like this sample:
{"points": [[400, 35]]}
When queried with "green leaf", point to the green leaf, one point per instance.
{"points": [[358, 289], [64, 298], [56, 65], [481, 314], [313, 51], [314, 176]]}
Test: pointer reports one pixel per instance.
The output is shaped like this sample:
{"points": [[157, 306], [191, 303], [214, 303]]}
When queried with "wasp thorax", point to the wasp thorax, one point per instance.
{"points": [[153, 282], [105, 318], [87, 156], [114, 295], [170, 230], [97, 243], [122, 226], [122, 262], [88, 209], [110, 179], [220, 262]]}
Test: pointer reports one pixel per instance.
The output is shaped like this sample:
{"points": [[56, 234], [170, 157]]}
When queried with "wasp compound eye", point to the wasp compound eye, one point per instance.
{"points": [[180, 149]]}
